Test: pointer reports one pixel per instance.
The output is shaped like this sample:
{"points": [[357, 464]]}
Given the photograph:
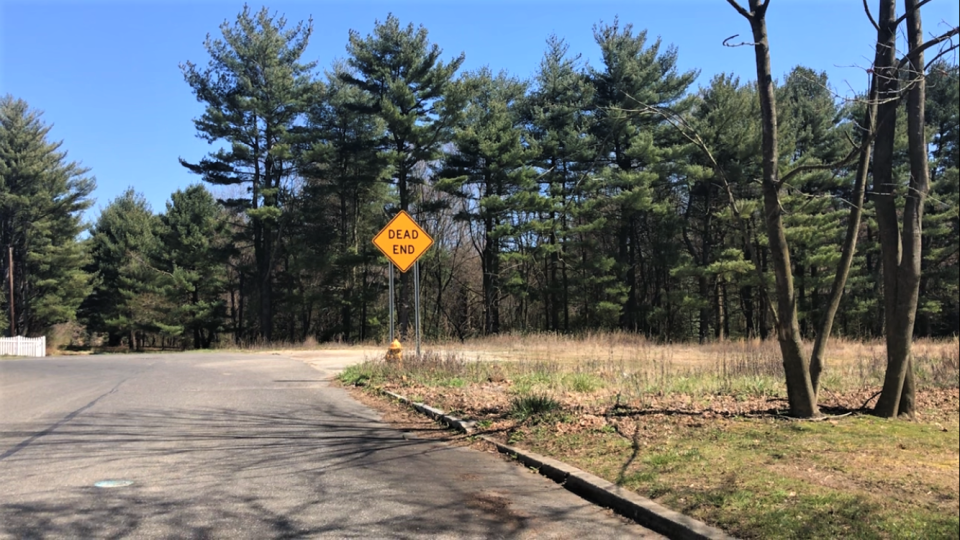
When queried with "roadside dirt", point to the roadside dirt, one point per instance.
{"points": [[407, 420]]}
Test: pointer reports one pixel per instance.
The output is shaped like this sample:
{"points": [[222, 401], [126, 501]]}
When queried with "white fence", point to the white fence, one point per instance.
{"points": [[21, 346]]}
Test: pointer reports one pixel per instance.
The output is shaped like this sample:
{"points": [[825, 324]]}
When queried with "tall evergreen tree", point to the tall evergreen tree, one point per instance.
{"points": [[635, 144], [558, 116], [42, 198], [192, 256], [128, 299], [344, 194], [813, 132], [255, 90], [402, 71], [488, 171], [715, 232], [939, 309]]}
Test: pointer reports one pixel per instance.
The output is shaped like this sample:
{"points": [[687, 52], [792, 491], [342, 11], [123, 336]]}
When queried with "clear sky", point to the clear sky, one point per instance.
{"points": [[105, 72]]}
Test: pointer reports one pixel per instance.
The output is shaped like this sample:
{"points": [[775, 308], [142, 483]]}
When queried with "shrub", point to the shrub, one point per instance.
{"points": [[524, 407]]}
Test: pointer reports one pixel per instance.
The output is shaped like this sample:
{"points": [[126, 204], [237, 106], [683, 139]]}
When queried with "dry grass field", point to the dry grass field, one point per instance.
{"points": [[703, 429]]}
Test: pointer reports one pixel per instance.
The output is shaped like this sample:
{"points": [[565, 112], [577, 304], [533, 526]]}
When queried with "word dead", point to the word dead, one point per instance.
{"points": [[403, 234]]}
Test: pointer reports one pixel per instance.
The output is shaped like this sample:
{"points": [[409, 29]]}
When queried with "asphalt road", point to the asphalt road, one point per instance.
{"points": [[247, 446]]}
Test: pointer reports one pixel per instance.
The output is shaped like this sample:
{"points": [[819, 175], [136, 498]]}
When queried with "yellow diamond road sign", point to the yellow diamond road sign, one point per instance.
{"points": [[403, 241]]}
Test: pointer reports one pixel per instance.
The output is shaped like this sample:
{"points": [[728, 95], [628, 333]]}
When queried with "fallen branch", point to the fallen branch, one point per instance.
{"points": [[864, 406]]}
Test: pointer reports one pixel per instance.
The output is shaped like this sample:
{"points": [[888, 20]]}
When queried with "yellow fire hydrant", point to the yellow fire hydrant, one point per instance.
{"points": [[395, 352]]}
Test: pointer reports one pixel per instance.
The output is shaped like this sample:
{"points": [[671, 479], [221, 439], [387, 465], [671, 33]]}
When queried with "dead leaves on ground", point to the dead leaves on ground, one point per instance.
{"points": [[490, 403]]}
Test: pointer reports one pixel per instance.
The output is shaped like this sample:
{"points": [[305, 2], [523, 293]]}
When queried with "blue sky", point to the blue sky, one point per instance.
{"points": [[105, 72]]}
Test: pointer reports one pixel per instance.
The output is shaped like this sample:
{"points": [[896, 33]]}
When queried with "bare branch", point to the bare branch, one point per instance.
{"points": [[147, 265], [939, 39], [740, 9], [741, 44], [689, 133], [904, 16], [940, 55], [815, 196], [822, 167], [873, 21]]}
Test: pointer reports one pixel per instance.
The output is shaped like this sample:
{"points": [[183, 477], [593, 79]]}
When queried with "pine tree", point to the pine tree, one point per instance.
{"points": [[402, 71], [939, 310], [191, 255], [255, 90], [344, 194], [636, 147], [128, 299], [558, 118], [488, 172], [814, 202], [723, 235], [42, 198]]}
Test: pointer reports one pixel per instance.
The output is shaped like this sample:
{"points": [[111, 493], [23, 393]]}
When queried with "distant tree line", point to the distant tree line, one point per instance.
{"points": [[607, 197]]}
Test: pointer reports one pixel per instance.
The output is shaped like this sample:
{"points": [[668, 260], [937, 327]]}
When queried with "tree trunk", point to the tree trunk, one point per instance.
{"points": [[724, 310], [764, 303], [704, 315], [746, 305], [801, 292], [718, 309], [902, 254], [746, 292], [266, 291], [800, 392], [554, 280], [629, 319], [197, 338], [363, 303], [886, 41], [489, 262], [565, 295], [347, 299], [242, 302]]}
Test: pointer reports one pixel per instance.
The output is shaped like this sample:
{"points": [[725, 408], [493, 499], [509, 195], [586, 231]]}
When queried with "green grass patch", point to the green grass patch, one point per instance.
{"points": [[583, 382], [529, 383], [452, 382], [862, 477], [356, 375]]}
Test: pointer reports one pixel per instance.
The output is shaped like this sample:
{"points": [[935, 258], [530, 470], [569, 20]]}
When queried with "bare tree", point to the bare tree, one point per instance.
{"points": [[900, 243], [800, 391]]}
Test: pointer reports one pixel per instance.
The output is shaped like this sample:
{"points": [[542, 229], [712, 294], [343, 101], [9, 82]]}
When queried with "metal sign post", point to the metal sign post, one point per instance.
{"points": [[416, 302], [390, 302]]}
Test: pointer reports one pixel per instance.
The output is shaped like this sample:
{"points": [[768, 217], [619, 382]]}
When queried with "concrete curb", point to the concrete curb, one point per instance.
{"points": [[464, 426], [591, 487]]}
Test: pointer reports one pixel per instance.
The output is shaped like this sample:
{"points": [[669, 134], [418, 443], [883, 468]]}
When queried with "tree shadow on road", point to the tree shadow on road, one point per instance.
{"points": [[302, 472]]}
